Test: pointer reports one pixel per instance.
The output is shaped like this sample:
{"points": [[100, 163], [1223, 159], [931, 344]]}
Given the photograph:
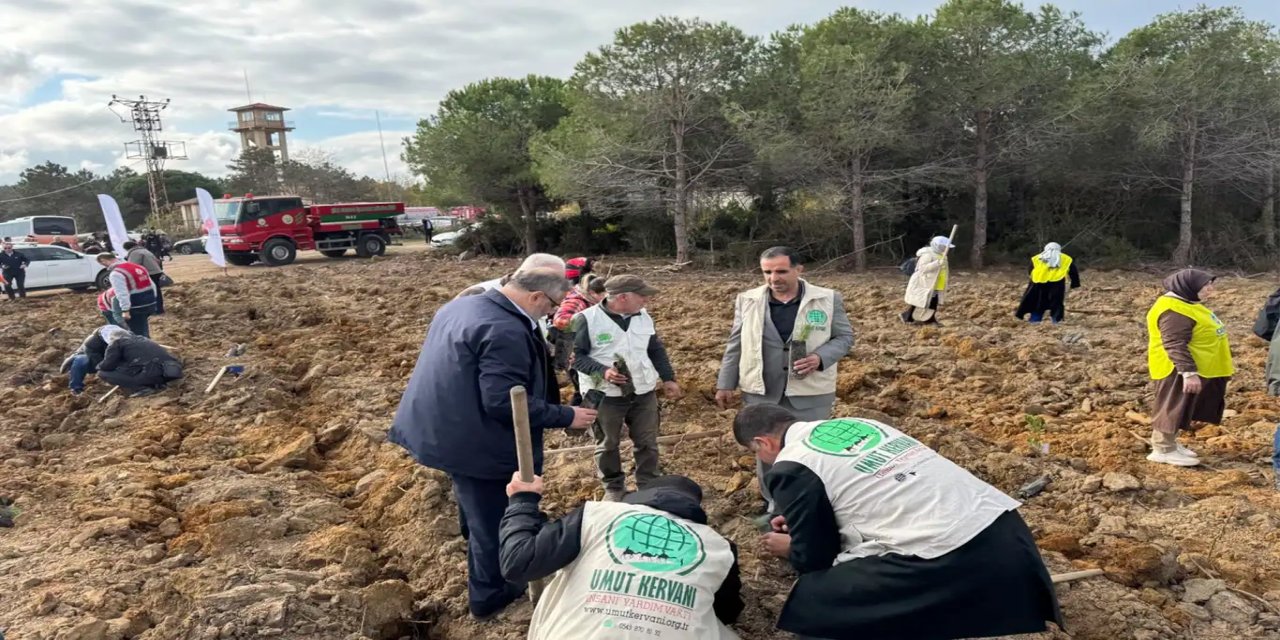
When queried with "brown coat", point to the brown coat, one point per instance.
{"points": [[1174, 410]]}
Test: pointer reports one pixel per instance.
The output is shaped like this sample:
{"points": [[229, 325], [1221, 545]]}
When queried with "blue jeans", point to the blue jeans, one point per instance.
{"points": [[1275, 451], [79, 368]]}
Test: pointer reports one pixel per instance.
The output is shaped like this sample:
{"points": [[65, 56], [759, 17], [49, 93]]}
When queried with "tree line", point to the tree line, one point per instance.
{"points": [[53, 189], [861, 135]]}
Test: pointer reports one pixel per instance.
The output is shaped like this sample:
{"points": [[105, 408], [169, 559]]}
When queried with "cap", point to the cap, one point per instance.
{"points": [[575, 267], [628, 284]]}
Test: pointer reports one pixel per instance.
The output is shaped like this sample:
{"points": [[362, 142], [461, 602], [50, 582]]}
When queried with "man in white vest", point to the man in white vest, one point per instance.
{"points": [[892, 540], [771, 324], [619, 334], [646, 567]]}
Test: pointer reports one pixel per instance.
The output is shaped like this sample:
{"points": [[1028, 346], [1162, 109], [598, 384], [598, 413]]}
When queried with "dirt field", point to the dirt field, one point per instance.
{"points": [[273, 506]]}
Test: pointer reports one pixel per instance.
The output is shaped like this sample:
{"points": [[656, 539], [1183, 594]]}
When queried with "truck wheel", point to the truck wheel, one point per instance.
{"points": [[186, 249], [370, 245], [278, 252], [241, 259], [102, 282], [334, 253]]}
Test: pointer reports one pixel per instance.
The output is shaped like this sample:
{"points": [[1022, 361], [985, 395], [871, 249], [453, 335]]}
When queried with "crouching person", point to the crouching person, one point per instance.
{"points": [[88, 356], [892, 540], [137, 364], [647, 566]]}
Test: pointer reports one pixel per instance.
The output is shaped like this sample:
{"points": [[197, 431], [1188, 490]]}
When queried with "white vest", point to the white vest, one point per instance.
{"points": [[816, 310], [641, 571], [609, 340], [890, 493]]}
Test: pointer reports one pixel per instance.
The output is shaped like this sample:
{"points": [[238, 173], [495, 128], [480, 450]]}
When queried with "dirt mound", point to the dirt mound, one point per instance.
{"points": [[274, 506]]}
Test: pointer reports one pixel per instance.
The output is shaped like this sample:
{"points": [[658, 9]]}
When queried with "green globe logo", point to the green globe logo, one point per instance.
{"points": [[844, 437], [817, 317], [653, 542]]}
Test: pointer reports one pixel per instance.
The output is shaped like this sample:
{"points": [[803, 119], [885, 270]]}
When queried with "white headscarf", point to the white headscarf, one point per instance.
{"points": [[1052, 255], [939, 244], [111, 333]]}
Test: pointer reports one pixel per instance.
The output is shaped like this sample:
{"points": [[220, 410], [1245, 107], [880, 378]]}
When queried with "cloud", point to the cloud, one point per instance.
{"points": [[330, 60]]}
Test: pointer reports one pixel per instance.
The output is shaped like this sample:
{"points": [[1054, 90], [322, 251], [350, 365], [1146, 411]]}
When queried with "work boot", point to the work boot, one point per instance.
{"points": [[614, 495], [1174, 458]]}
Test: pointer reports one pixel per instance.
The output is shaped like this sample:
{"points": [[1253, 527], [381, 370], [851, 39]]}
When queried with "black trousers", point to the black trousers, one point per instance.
{"points": [[132, 382], [16, 279], [159, 308], [482, 503]]}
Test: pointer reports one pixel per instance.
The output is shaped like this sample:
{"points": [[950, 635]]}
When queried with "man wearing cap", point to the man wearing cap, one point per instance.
{"points": [[618, 352], [647, 566], [771, 324]]}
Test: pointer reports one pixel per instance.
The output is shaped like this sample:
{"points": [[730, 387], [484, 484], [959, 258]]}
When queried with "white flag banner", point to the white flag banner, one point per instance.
{"points": [[115, 224], [209, 220]]}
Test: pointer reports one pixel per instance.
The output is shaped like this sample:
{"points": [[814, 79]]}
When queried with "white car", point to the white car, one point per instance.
{"points": [[59, 268], [445, 239]]}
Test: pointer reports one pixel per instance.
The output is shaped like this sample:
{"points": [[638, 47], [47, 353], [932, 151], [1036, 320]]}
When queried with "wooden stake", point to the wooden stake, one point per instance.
{"points": [[108, 394], [1076, 575], [677, 437], [216, 380], [524, 456]]}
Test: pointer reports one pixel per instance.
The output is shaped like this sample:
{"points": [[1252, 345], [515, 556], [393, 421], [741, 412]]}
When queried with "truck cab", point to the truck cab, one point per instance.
{"points": [[274, 228]]}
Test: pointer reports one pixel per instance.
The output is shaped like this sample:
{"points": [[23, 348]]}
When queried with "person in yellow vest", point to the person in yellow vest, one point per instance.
{"points": [[1190, 359], [1047, 291], [771, 324], [928, 282]]}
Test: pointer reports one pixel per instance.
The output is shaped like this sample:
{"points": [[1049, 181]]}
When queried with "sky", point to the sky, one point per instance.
{"points": [[335, 63]]}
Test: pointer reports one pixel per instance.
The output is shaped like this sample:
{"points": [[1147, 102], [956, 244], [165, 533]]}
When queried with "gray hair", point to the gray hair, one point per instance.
{"points": [[542, 261], [549, 281]]}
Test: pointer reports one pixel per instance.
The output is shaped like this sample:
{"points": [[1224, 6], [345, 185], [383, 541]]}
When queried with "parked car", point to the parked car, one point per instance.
{"points": [[445, 239], [190, 246], [58, 268]]}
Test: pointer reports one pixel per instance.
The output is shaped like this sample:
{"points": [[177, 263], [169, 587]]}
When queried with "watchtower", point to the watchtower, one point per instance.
{"points": [[262, 126]]}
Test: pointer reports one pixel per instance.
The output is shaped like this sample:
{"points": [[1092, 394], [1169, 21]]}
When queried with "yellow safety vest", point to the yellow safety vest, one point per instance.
{"points": [[942, 278], [1209, 346], [1041, 272]]}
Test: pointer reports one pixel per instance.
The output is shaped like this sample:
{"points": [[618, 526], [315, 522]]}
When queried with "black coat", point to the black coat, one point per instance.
{"points": [[532, 548], [137, 356], [14, 261], [455, 414]]}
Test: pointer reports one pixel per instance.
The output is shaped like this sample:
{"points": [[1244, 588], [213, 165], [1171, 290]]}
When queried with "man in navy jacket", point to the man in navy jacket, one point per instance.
{"points": [[455, 415]]}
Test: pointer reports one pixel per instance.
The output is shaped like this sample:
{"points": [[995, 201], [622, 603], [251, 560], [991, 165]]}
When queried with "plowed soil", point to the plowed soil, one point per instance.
{"points": [[273, 505]]}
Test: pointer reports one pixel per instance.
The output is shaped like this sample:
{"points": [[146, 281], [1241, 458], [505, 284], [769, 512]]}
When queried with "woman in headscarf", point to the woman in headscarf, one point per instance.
{"points": [[1047, 290], [86, 358], [1190, 359], [928, 282], [137, 364]]}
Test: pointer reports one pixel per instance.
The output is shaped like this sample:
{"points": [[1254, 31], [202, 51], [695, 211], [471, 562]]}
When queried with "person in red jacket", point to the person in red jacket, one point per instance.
{"points": [[135, 293], [588, 292]]}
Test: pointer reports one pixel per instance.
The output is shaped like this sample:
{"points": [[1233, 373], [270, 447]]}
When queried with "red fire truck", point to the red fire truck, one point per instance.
{"points": [[274, 228]]}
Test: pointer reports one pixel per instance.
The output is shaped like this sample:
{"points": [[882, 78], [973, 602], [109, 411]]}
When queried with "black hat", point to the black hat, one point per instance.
{"points": [[679, 484]]}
